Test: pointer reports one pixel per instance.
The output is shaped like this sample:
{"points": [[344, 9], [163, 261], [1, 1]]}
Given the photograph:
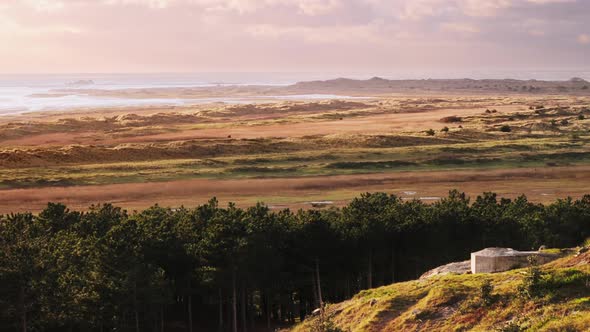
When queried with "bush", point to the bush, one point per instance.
{"points": [[564, 122], [566, 278], [445, 129], [532, 285], [430, 132], [485, 292], [505, 129], [581, 117], [451, 119], [324, 323]]}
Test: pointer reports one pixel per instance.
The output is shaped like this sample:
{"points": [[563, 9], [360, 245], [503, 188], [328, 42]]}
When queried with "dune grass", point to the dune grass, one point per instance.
{"points": [[523, 152], [454, 303], [538, 138]]}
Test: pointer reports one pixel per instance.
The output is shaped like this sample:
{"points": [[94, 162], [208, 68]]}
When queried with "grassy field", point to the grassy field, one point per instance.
{"points": [[526, 152], [295, 140], [455, 303]]}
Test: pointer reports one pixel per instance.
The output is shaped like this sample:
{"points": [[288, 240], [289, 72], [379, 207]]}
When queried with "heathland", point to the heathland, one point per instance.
{"points": [[416, 139], [258, 267]]}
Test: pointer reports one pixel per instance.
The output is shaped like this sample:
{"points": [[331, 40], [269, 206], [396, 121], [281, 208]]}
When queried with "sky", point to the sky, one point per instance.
{"points": [[93, 36]]}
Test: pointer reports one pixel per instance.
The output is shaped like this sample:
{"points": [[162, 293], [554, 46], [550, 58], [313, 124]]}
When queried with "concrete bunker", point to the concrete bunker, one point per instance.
{"points": [[491, 260]]}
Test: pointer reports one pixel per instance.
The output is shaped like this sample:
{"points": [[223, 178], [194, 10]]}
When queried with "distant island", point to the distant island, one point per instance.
{"points": [[378, 85], [81, 82], [372, 87]]}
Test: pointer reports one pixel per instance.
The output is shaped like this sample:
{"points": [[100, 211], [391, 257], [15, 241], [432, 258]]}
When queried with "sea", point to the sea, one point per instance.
{"points": [[23, 93]]}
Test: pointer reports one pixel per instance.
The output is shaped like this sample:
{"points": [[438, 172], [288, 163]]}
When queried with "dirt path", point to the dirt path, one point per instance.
{"points": [[539, 184]]}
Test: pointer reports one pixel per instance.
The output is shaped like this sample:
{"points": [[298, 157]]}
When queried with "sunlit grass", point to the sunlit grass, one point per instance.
{"points": [[453, 303]]}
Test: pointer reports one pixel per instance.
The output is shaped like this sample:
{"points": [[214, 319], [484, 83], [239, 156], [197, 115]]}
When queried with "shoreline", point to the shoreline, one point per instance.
{"points": [[66, 99]]}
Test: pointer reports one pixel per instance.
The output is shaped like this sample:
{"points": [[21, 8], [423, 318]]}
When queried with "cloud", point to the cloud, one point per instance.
{"points": [[171, 35], [329, 35], [154, 4], [460, 27], [318, 7], [45, 5]]}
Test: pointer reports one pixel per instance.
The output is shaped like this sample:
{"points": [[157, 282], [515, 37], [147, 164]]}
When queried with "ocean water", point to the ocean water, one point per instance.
{"points": [[17, 92]]}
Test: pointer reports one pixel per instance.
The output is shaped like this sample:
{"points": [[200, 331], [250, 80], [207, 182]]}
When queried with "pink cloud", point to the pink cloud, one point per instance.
{"points": [[193, 35]]}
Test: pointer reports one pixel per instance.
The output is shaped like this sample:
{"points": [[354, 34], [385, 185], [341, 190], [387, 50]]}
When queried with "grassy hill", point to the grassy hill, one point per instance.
{"points": [[558, 300]]}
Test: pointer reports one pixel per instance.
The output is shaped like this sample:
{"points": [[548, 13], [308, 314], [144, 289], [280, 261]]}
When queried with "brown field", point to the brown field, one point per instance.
{"points": [[538, 184], [290, 153]]}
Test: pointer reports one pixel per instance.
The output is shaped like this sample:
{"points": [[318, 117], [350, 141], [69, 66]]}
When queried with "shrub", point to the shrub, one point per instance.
{"points": [[566, 278], [581, 117], [445, 129], [430, 132], [532, 285], [451, 119], [485, 292], [505, 129], [554, 123], [324, 323], [564, 122]]}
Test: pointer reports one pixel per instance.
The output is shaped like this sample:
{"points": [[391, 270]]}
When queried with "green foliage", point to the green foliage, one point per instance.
{"points": [[106, 268], [571, 278], [324, 322], [445, 129], [430, 132], [485, 291], [532, 285]]}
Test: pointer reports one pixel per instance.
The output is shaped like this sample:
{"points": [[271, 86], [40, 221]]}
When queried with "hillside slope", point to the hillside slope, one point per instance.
{"points": [[457, 303]]}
